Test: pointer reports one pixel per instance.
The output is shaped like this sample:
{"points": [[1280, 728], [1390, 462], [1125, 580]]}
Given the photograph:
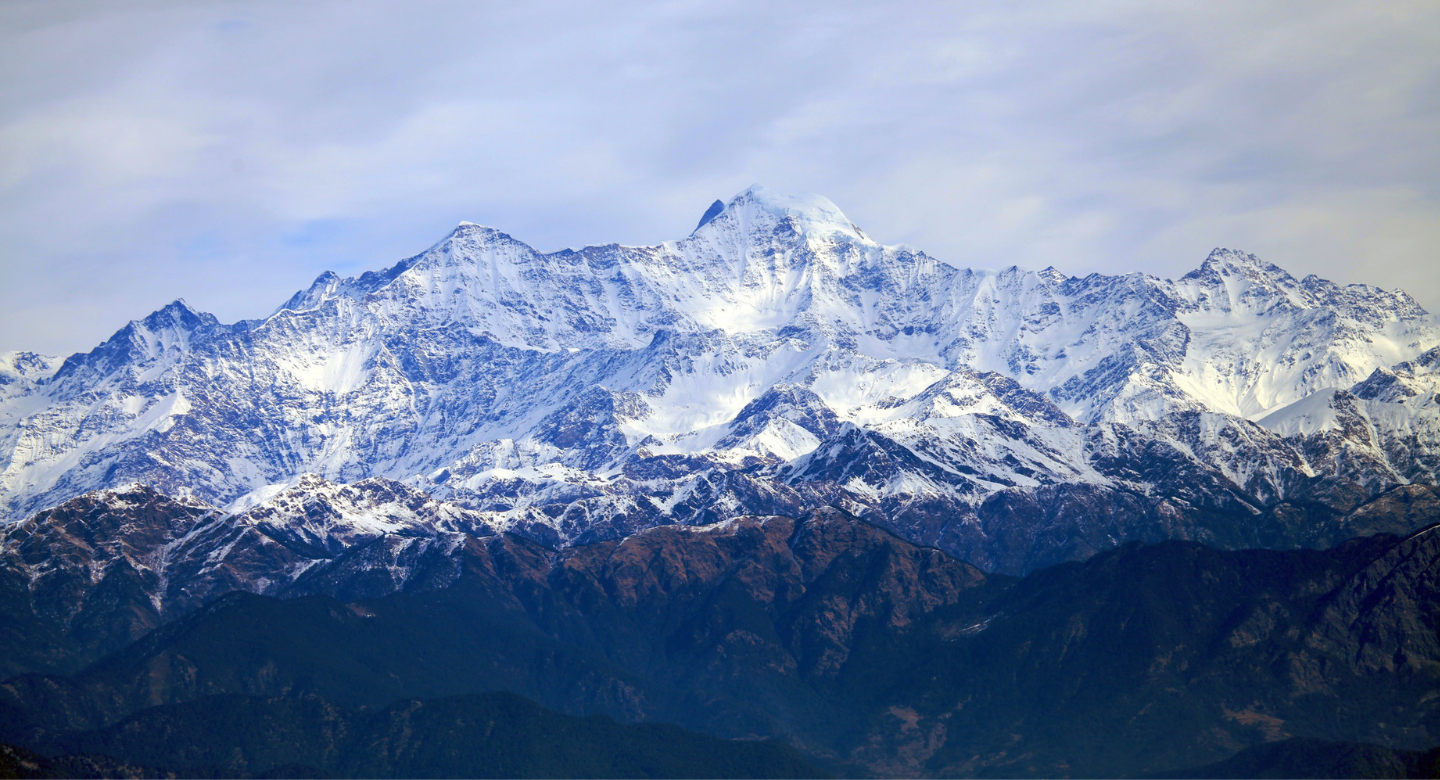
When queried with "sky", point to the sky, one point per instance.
{"points": [[228, 152]]}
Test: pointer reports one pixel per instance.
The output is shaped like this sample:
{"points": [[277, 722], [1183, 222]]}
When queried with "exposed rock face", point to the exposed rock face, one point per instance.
{"points": [[98, 572], [87, 578], [775, 361], [752, 482]]}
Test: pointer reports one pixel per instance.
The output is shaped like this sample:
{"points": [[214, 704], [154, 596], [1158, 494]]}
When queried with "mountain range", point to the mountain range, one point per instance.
{"points": [[772, 481], [775, 361]]}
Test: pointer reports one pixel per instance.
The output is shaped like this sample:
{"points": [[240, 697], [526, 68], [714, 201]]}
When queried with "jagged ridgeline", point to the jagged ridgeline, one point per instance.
{"points": [[776, 360]]}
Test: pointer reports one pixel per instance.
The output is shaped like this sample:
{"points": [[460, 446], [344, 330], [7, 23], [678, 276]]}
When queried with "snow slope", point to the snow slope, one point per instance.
{"points": [[775, 359]]}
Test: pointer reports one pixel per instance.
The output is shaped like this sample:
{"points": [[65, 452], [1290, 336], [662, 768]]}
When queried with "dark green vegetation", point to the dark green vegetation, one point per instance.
{"points": [[1304, 758], [869, 654], [479, 735]]}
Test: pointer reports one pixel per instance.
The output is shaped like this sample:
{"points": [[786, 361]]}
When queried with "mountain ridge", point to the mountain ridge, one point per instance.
{"points": [[598, 391]]}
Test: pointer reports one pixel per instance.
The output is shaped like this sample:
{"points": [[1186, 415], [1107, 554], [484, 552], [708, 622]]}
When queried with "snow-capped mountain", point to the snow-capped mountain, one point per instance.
{"points": [[775, 360]]}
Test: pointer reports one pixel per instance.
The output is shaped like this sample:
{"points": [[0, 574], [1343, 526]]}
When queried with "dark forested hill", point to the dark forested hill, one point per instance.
{"points": [[478, 735], [868, 653]]}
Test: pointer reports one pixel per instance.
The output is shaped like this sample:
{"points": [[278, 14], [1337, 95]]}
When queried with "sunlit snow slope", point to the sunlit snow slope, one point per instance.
{"points": [[776, 359]]}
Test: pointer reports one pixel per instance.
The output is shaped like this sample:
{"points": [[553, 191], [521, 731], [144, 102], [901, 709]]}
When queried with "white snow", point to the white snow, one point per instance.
{"points": [[475, 357]]}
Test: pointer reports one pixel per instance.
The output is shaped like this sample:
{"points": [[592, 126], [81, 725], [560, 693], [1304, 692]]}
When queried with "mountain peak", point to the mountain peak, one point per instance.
{"points": [[324, 286], [1230, 261], [812, 214], [710, 213], [802, 204], [177, 313], [467, 228], [167, 330], [1232, 280]]}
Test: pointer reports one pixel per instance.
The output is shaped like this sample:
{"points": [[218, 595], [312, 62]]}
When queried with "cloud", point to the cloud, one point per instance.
{"points": [[228, 152]]}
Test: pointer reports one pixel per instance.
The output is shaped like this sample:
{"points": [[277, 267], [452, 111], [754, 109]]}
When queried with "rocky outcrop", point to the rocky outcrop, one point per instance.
{"points": [[777, 360]]}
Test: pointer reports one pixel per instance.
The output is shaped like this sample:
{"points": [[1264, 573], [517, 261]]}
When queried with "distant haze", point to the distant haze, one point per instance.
{"points": [[228, 152]]}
